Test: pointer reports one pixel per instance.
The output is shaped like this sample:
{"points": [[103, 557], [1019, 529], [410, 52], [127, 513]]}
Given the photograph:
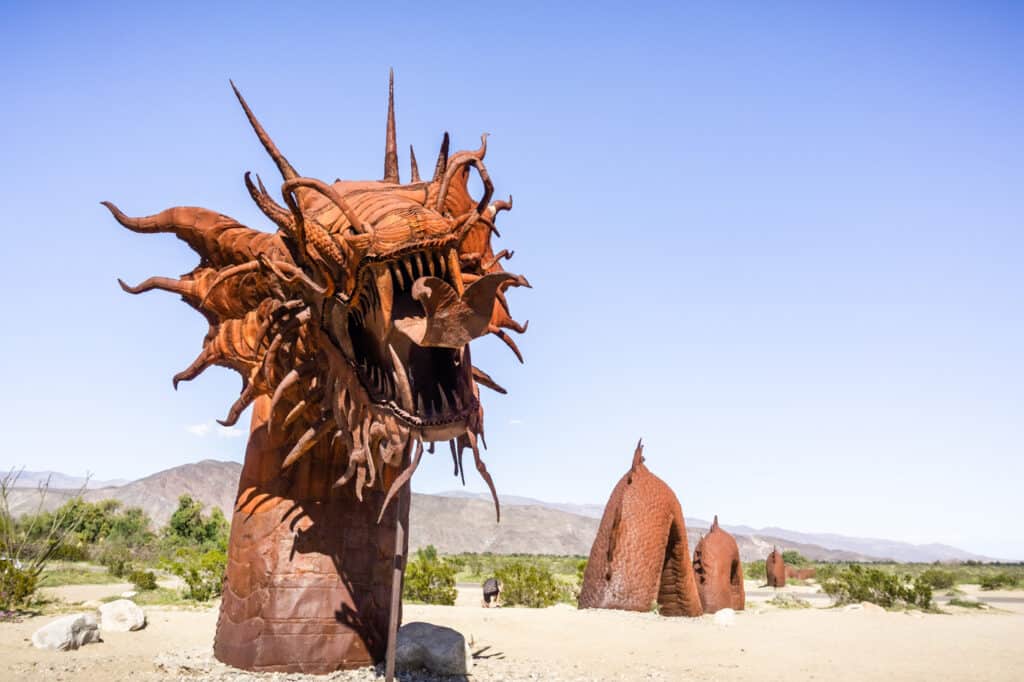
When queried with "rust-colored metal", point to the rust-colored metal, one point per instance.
{"points": [[775, 569], [716, 562], [640, 558], [800, 573], [350, 327]]}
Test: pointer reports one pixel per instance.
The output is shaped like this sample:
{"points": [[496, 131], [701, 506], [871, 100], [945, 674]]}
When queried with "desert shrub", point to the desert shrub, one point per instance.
{"points": [[938, 579], [17, 584], [859, 583], [429, 579], [998, 580], [794, 558], [581, 568], [203, 572], [527, 584], [27, 545], [116, 557], [143, 580], [754, 570], [966, 603], [789, 601]]}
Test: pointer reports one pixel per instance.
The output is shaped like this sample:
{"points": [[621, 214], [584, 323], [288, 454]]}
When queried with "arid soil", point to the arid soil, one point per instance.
{"points": [[562, 643]]}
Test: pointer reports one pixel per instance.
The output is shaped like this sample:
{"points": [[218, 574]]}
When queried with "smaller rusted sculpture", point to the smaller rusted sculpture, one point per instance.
{"points": [[640, 556], [716, 562], [775, 569], [800, 573]]}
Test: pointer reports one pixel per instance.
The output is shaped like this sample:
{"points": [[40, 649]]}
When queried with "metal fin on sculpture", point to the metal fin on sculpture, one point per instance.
{"points": [[638, 454], [287, 172], [390, 145], [414, 169], [442, 159], [402, 479]]}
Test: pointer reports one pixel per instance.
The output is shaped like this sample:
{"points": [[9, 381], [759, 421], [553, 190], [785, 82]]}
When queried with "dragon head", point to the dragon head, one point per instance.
{"points": [[355, 317]]}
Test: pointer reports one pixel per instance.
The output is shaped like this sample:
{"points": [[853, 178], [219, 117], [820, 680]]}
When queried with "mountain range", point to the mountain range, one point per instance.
{"points": [[460, 521]]}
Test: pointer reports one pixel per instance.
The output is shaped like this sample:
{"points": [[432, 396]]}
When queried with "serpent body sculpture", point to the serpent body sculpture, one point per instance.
{"points": [[716, 561], [775, 569], [640, 557], [350, 327]]}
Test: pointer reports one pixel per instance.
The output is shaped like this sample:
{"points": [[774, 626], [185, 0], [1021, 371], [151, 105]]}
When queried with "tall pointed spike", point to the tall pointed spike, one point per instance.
{"points": [[442, 159], [391, 146], [412, 163], [287, 172]]}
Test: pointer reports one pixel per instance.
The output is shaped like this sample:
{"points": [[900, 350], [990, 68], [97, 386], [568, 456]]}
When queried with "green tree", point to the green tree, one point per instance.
{"points": [[429, 579]]}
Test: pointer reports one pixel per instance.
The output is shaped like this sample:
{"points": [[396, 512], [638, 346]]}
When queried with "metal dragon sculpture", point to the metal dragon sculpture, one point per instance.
{"points": [[640, 556], [350, 326]]}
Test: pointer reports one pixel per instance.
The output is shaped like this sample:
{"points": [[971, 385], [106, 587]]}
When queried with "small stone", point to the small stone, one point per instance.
{"points": [[69, 632], [853, 607], [122, 615], [129, 594], [872, 608], [724, 617], [440, 650]]}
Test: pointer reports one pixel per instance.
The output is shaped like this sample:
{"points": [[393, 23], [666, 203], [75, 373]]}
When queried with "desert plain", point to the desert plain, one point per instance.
{"points": [[561, 643]]}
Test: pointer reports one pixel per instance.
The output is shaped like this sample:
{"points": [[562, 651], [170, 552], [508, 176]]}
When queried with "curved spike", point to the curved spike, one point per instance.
{"points": [[198, 366], [500, 333], [442, 159], [270, 208], [175, 286], [244, 400], [390, 145], [413, 167], [482, 470], [287, 172], [638, 454], [401, 479], [306, 441], [484, 379], [515, 326], [331, 194], [474, 159], [233, 271]]}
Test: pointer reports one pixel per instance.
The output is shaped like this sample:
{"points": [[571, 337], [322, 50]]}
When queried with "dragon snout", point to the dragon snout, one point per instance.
{"points": [[451, 320]]}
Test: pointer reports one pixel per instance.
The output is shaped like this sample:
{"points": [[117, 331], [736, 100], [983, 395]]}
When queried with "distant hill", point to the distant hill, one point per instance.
{"points": [[461, 521], [28, 479], [212, 482]]}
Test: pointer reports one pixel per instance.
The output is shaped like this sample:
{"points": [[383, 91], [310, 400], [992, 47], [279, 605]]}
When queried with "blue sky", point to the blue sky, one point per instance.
{"points": [[782, 244]]}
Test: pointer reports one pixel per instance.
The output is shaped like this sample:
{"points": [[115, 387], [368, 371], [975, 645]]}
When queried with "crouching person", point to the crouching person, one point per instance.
{"points": [[492, 593]]}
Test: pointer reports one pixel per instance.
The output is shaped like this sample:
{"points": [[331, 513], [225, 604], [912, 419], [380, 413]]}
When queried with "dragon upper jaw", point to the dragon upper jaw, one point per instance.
{"points": [[408, 326]]}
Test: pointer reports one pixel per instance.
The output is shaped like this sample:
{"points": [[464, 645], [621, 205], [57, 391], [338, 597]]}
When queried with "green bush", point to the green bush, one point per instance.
{"points": [[203, 572], [858, 583], [794, 558], [116, 557], [938, 579], [189, 527], [429, 579], [997, 581], [143, 580], [754, 570], [527, 584], [17, 585]]}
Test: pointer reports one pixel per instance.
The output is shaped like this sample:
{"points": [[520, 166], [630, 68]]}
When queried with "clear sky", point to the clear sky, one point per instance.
{"points": [[783, 243]]}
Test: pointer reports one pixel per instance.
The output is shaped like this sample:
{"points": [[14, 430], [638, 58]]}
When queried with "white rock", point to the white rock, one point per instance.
{"points": [[129, 594], [440, 650], [122, 615], [69, 632], [724, 617]]}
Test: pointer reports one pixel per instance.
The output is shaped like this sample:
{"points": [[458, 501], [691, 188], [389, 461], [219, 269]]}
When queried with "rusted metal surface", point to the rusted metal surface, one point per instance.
{"points": [[640, 558], [775, 569], [350, 327], [716, 563]]}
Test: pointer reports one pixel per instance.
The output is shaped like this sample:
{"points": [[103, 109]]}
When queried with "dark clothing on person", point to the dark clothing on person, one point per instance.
{"points": [[491, 589]]}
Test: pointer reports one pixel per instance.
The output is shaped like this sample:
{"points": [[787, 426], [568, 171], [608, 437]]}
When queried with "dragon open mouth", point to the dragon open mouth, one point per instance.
{"points": [[414, 358]]}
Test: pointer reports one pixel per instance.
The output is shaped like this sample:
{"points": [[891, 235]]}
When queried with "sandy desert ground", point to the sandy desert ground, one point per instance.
{"points": [[562, 643]]}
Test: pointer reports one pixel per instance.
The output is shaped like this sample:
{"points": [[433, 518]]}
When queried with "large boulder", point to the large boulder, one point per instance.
{"points": [[440, 650], [69, 632], [122, 615]]}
